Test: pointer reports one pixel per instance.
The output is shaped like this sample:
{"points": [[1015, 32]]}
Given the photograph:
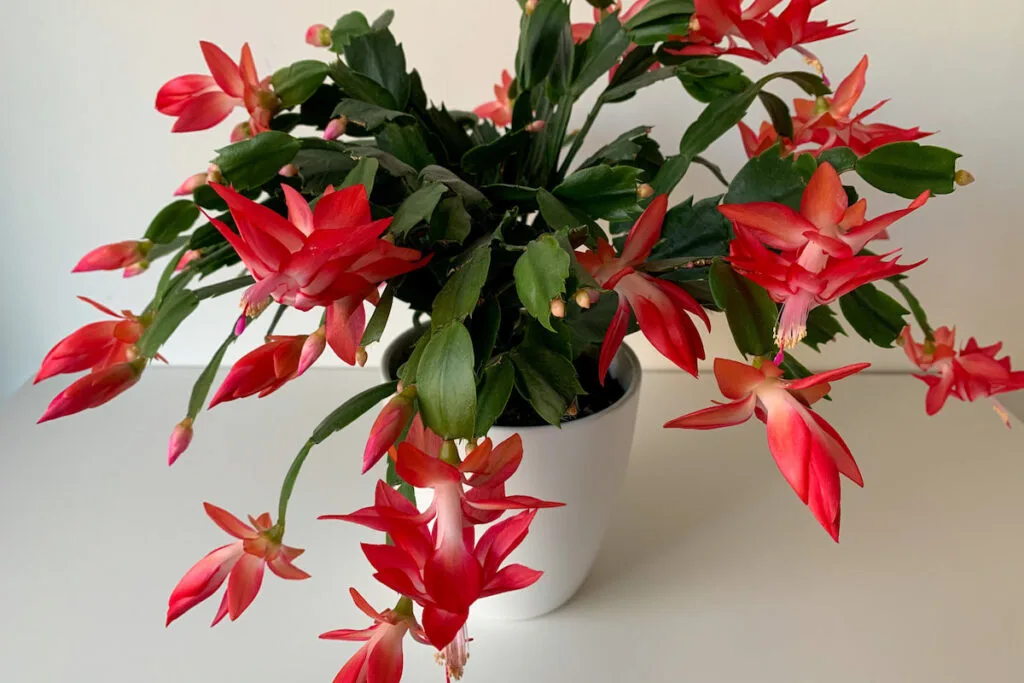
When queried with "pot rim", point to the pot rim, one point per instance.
{"points": [[625, 357]]}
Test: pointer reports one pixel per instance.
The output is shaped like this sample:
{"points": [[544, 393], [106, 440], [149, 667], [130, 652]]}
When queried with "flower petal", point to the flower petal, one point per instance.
{"points": [[244, 584], [203, 111], [511, 578], [778, 226], [613, 338], [646, 232], [441, 626], [228, 522], [726, 415], [223, 69], [824, 201]]}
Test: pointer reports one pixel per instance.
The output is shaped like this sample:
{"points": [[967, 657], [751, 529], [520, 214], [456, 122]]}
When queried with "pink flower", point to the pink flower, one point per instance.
{"points": [[95, 346], [263, 370], [500, 110], [114, 256], [816, 260], [809, 452], [240, 563], [660, 306], [200, 102], [318, 35], [191, 184], [312, 349], [180, 439], [388, 426], [973, 373], [95, 389], [336, 128], [313, 258], [380, 659], [768, 35]]}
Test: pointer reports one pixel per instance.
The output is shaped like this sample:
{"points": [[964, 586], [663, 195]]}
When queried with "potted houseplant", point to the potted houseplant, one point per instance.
{"points": [[346, 188]]}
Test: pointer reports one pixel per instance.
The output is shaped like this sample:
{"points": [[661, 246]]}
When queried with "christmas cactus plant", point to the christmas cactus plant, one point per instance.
{"points": [[347, 187]]}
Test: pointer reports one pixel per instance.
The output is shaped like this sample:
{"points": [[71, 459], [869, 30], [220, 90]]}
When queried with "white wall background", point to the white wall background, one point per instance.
{"points": [[87, 160]]}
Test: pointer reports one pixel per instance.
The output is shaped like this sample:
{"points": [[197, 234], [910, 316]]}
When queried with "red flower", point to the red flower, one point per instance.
{"points": [[809, 452], [200, 102], [768, 35], [441, 568], [241, 564], [114, 256], [755, 144], [263, 370], [95, 389], [95, 346], [380, 659], [817, 262], [500, 110], [660, 306], [973, 373]]}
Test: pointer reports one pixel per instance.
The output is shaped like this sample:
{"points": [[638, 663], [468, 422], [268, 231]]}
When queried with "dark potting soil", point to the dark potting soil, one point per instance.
{"points": [[519, 412]]}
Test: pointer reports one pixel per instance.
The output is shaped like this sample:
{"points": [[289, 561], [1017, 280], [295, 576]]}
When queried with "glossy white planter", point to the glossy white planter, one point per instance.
{"points": [[582, 464]]}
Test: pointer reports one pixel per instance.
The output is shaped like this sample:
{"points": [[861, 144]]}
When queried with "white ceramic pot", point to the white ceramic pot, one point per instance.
{"points": [[582, 464]]}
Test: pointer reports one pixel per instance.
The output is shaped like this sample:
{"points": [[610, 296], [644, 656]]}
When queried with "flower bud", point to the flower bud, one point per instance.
{"points": [[644, 191], [558, 308], [136, 269], [187, 258], [535, 126], [95, 389], [582, 298], [240, 325], [213, 174], [242, 131], [963, 178], [336, 128], [190, 185], [181, 437], [289, 171], [114, 256], [388, 426], [361, 356], [530, 7], [318, 35], [311, 350]]}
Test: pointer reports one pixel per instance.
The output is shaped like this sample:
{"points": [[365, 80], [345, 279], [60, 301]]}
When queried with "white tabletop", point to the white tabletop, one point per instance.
{"points": [[712, 570]]}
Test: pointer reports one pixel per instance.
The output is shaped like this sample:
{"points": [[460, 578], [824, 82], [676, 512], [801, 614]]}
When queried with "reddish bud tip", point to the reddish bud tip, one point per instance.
{"points": [[114, 256], [336, 128], [311, 350], [644, 191], [530, 7], [187, 258], [136, 269], [181, 437], [191, 184], [582, 298], [318, 35], [240, 325], [535, 126], [242, 131], [289, 171], [558, 308]]}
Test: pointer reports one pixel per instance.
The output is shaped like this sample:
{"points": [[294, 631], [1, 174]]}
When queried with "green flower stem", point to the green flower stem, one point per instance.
{"points": [[289, 485], [450, 454], [915, 307]]}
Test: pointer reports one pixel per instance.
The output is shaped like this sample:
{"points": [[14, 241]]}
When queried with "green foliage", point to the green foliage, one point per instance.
{"points": [[379, 320], [369, 115], [251, 163], [376, 55], [602, 191], [447, 384], [351, 410], [493, 394], [347, 27], [539, 37], [874, 315], [599, 53], [418, 207], [173, 219], [546, 379], [908, 169], [768, 177], [822, 327], [458, 298], [540, 275], [748, 308], [296, 83], [693, 230]]}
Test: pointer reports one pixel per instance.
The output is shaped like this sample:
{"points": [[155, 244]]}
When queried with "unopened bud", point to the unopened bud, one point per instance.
{"points": [[136, 269], [318, 35], [644, 191], [336, 128], [240, 325], [289, 171], [181, 437], [187, 258], [535, 126], [558, 308], [242, 131], [694, 24], [963, 178], [213, 174], [582, 298], [530, 7], [361, 356], [191, 184], [573, 410], [311, 350]]}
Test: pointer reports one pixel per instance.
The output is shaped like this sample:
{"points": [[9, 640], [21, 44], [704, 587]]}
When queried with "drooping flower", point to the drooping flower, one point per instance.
{"points": [[95, 389], [767, 35], [313, 258], [114, 256], [973, 373], [312, 349], [380, 659], [817, 259], [661, 307], [809, 452], [442, 569], [200, 102], [95, 346], [389, 425], [240, 563], [263, 370], [500, 110]]}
